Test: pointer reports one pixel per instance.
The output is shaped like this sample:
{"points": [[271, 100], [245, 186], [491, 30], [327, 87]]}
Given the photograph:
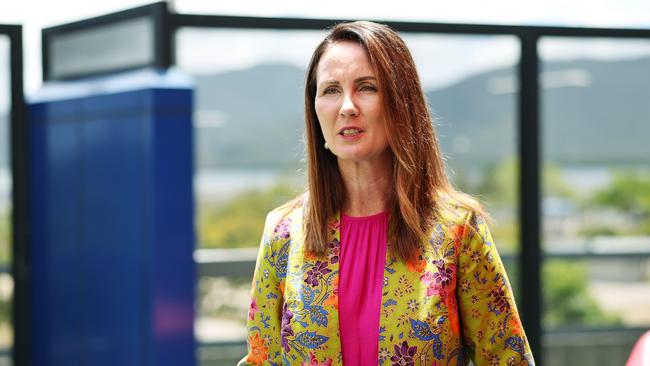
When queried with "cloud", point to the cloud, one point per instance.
{"points": [[595, 13]]}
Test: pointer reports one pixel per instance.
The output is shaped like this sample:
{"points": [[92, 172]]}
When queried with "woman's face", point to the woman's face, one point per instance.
{"points": [[348, 104]]}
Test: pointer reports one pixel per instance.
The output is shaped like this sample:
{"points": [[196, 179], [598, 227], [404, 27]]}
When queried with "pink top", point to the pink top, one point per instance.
{"points": [[361, 277]]}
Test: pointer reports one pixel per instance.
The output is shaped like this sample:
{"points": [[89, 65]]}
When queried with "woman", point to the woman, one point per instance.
{"points": [[381, 261]]}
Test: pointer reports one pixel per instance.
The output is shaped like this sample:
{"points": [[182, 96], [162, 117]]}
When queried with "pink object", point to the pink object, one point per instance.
{"points": [[640, 355], [363, 256]]}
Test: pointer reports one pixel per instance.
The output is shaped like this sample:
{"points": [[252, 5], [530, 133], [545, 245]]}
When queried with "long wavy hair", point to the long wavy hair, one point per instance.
{"points": [[421, 190]]}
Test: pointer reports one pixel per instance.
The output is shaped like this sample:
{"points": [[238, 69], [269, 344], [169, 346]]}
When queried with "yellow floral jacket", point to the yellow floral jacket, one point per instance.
{"points": [[451, 305]]}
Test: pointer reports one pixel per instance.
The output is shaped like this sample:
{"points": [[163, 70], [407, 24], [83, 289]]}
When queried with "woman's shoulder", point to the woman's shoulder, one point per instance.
{"points": [[457, 220], [460, 209], [283, 215]]}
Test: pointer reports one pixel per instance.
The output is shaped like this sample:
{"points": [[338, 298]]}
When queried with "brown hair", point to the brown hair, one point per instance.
{"points": [[420, 184]]}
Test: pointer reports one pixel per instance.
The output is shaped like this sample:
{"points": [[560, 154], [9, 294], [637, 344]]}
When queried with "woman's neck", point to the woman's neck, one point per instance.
{"points": [[368, 185]]}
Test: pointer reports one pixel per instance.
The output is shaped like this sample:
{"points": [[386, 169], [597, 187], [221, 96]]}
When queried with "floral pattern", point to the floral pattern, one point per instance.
{"points": [[404, 355], [313, 361], [258, 353], [285, 330], [451, 304], [317, 273]]}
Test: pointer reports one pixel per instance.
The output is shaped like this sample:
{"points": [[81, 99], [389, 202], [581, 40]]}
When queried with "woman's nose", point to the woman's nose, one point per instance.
{"points": [[348, 108]]}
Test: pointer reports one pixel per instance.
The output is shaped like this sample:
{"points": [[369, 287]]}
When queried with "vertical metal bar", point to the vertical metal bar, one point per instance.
{"points": [[529, 191], [163, 36], [20, 265], [45, 55]]}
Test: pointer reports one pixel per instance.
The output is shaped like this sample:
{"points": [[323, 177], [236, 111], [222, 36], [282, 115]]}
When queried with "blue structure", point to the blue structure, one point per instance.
{"points": [[111, 220]]}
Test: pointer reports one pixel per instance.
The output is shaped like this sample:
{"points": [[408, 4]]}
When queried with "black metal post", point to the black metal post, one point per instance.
{"points": [[163, 36], [529, 192], [21, 263]]}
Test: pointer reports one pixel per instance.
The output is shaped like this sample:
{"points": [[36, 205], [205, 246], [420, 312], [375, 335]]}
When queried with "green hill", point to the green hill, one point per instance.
{"points": [[602, 117]]}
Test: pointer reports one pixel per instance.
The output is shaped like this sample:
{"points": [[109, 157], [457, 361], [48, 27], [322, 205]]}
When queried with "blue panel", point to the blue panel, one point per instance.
{"points": [[111, 215], [174, 235], [111, 105], [54, 228], [113, 241], [63, 217], [59, 111]]}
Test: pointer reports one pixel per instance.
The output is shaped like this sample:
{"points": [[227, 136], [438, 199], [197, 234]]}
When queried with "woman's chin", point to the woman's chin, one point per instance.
{"points": [[358, 156]]}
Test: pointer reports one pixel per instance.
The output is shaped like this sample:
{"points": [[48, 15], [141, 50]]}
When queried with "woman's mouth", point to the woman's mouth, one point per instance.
{"points": [[350, 132]]}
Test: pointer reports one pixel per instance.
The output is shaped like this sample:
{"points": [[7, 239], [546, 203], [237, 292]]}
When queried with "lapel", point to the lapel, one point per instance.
{"points": [[319, 299], [334, 257]]}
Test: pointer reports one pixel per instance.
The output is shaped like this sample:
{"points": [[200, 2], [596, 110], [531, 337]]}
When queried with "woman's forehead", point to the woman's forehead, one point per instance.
{"points": [[344, 58]]}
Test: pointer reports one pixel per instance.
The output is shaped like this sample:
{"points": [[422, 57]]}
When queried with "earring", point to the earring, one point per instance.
{"points": [[326, 146]]}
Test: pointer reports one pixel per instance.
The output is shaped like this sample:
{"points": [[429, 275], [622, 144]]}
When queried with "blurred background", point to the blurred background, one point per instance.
{"points": [[595, 150]]}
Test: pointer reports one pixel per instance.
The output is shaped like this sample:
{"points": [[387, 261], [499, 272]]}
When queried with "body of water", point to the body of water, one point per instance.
{"points": [[222, 184], [587, 179]]}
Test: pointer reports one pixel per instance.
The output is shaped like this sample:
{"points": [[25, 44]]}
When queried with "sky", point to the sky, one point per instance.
{"points": [[35, 15]]}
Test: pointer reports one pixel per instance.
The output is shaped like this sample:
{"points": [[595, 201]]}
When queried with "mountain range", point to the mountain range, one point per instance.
{"points": [[592, 112]]}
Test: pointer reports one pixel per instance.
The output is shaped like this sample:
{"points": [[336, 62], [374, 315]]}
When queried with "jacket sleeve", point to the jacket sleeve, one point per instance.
{"points": [[492, 330], [265, 309]]}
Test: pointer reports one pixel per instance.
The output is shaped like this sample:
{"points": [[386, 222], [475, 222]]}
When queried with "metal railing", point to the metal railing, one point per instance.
{"points": [[240, 262], [565, 346]]}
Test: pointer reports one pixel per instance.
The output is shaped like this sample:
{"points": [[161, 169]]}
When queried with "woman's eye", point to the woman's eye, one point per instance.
{"points": [[330, 90], [368, 87]]}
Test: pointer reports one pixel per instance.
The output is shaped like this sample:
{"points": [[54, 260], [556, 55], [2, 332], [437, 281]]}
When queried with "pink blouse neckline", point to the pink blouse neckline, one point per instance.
{"points": [[363, 218]]}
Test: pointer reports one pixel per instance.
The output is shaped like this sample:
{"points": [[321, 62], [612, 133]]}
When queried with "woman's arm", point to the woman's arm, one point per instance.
{"points": [[265, 310], [492, 330]]}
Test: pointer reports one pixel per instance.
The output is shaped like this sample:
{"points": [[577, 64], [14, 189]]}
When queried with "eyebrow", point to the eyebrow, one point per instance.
{"points": [[357, 80]]}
